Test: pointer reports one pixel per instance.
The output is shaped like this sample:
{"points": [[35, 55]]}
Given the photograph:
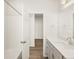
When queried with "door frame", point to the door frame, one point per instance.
{"points": [[32, 29]]}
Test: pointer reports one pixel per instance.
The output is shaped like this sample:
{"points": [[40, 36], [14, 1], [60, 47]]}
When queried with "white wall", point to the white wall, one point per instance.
{"points": [[65, 23], [38, 26]]}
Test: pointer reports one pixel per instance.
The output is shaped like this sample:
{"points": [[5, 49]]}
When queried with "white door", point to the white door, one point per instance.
{"points": [[16, 30]]}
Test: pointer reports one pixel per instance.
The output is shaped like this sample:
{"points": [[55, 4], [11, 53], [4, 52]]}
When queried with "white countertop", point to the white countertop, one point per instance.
{"points": [[65, 49]]}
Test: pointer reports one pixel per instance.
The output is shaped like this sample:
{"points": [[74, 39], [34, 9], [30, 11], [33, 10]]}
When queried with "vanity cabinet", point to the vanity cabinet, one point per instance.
{"points": [[53, 53]]}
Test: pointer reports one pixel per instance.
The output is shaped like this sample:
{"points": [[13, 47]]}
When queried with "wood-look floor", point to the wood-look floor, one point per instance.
{"points": [[37, 51]]}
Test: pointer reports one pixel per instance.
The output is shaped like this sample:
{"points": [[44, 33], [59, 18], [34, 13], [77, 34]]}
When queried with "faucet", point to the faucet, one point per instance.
{"points": [[70, 40]]}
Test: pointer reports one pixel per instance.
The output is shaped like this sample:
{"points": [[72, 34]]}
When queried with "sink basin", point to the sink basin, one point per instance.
{"points": [[64, 45], [69, 43]]}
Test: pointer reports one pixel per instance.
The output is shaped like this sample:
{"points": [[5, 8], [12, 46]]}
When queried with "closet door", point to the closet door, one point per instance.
{"points": [[13, 29]]}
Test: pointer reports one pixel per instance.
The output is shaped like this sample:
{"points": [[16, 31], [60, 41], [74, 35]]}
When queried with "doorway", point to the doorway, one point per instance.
{"points": [[36, 52], [39, 30], [38, 26]]}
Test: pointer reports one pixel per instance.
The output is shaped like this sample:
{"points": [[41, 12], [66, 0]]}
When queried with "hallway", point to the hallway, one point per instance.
{"points": [[37, 51]]}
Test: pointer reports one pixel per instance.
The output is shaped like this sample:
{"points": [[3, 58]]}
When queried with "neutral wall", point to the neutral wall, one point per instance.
{"points": [[38, 26], [65, 23]]}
